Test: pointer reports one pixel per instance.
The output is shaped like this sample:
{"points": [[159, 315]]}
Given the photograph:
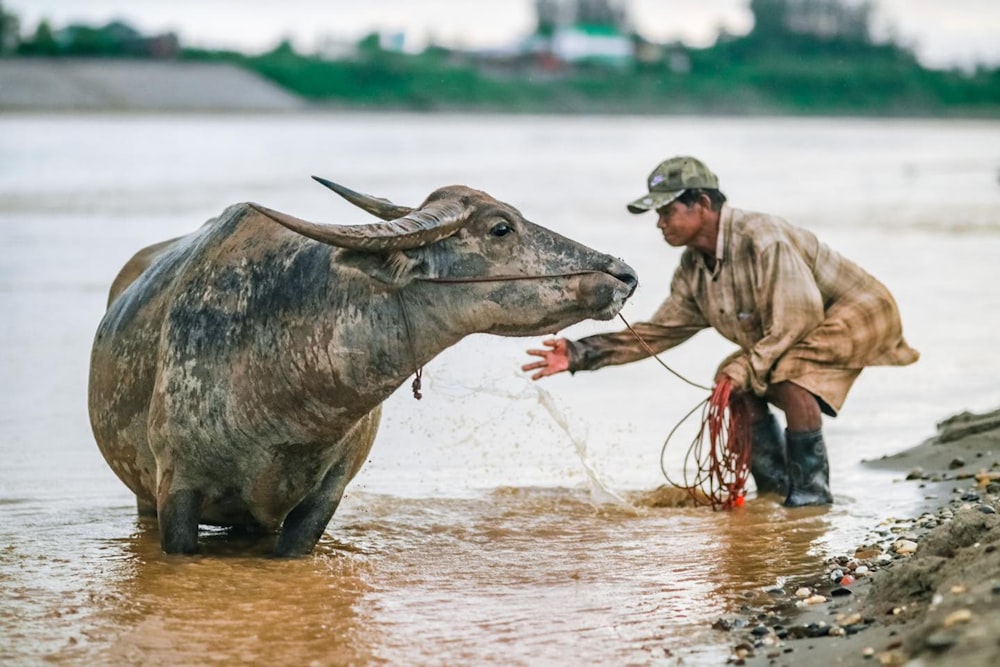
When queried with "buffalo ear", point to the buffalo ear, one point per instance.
{"points": [[396, 268]]}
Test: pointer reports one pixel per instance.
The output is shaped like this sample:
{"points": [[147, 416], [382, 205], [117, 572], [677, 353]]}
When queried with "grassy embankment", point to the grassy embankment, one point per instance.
{"points": [[743, 76]]}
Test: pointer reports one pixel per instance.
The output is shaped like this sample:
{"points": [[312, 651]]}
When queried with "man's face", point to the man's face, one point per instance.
{"points": [[679, 223]]}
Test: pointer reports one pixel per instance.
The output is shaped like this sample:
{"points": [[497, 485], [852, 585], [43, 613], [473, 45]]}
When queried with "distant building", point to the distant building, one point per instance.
{"points": [[396, 41], [582, 31], [561, 13]]}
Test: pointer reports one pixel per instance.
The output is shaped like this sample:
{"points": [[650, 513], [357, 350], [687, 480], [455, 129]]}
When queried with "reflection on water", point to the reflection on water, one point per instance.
{"points": [[495, 523], [518, 576]]}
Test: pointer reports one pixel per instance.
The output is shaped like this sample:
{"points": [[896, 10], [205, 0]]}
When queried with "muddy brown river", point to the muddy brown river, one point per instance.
{"points": [[498, 522]]}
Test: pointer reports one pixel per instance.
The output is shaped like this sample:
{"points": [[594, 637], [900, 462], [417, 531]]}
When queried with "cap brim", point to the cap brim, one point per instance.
{"points": [[653, 200]]}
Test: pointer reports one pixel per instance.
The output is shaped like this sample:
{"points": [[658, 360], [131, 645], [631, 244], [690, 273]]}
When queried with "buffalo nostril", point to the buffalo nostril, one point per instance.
{"points": [[630, 279], [621, 272], [626, 277], [625, 274]]}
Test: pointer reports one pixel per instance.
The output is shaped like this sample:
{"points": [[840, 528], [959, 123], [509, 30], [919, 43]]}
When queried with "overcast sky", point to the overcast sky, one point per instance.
{"points": [[943, 32]]}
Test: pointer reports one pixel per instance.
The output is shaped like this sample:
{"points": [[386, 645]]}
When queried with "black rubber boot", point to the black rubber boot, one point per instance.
{"points": [[767, 456], [808, 469]]}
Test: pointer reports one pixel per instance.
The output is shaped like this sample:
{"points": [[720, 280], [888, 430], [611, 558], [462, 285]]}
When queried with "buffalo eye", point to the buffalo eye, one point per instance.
{"points": [[501, 229]]}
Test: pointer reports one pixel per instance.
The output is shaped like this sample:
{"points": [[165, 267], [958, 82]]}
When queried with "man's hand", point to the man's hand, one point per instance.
{"points": [[554, 360], [722, 376]]}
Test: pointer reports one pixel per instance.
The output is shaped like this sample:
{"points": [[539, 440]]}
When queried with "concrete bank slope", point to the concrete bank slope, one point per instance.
{"points": [[136, 85]]}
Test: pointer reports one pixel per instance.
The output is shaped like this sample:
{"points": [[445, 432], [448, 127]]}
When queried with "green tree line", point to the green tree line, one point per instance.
{"points": [[773, 69]]}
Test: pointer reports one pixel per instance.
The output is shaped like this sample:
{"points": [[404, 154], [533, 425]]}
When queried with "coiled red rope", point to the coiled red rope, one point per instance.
{"points": [[720, 453]]}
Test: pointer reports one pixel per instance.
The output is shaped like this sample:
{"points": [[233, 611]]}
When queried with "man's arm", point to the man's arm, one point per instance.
{"points": [[677, 319]]}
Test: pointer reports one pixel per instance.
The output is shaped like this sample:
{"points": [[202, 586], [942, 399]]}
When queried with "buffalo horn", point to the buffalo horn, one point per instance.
{"points": [[377, 206], [421, 227]]}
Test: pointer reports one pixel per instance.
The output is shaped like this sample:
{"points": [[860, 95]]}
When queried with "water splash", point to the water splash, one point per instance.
{"points": [[599, 491], [517, 387]]}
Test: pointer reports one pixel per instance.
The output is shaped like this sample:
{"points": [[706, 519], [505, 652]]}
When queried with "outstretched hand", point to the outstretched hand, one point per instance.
{"points": [[553, 360]]}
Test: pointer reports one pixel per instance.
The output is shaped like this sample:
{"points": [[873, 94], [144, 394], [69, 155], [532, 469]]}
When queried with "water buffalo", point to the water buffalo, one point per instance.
{"points": [[238, 375]]}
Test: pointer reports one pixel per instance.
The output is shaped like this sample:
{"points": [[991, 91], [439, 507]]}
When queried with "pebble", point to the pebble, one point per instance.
{"points": [[853, 619], [894, 539], [939, 641], [812, 630], [855, 628], [727, 624], [956, 617], [868, 552]]}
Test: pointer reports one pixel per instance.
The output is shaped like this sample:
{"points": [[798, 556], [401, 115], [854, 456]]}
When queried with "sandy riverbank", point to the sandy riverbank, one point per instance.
{"points": [[921, 591]]}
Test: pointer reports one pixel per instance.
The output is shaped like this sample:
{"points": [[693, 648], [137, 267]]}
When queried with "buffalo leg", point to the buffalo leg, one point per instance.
{"points": [[145, 508], [179, 512], [305, 524]]}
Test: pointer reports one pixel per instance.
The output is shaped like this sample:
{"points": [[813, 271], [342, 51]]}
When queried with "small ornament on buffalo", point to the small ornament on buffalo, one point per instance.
{"points": [[416, 385]]}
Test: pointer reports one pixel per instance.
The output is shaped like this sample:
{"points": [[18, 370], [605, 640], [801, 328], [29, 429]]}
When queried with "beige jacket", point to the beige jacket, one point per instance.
{"points": [[798, 310]]}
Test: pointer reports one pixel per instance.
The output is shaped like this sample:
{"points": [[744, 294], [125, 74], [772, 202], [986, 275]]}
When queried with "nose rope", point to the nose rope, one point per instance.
{"points": [[418, 380], [721, 469], [653, 354], [505, 277]]}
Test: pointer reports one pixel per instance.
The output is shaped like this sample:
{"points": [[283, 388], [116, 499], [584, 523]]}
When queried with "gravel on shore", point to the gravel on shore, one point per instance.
{"points": [[920, 591]]}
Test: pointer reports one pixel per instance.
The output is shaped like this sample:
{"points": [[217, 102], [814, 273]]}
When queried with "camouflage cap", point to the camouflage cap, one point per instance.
{"points": [[669, 181]]}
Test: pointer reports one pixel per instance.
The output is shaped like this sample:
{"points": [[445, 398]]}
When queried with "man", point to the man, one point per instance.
{"points": [[806, 319]]}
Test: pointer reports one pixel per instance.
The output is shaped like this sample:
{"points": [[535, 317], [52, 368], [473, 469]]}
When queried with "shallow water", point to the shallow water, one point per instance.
{"points": [[483, 530]]}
